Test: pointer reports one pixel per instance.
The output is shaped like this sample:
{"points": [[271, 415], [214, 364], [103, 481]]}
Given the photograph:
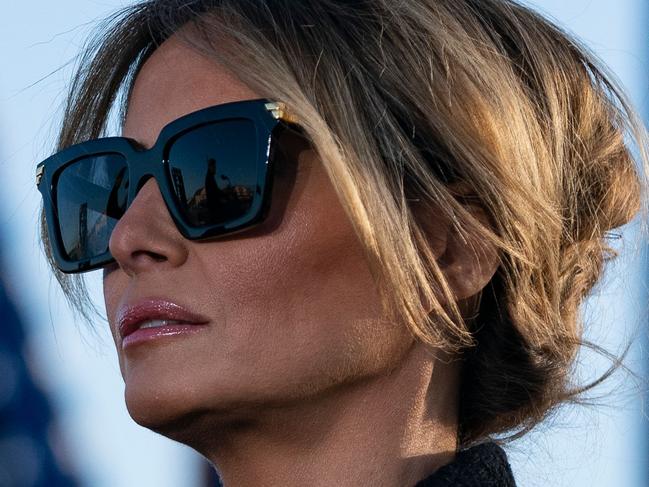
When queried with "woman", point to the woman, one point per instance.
{"points": [[423, 195]]}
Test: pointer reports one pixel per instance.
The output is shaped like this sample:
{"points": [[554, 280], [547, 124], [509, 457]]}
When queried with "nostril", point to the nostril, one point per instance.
{"points": [[153, 255]]}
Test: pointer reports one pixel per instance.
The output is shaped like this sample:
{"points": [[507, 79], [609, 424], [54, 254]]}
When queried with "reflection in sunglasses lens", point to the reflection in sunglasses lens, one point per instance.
{"points": [[214, 172], [90, 197]]}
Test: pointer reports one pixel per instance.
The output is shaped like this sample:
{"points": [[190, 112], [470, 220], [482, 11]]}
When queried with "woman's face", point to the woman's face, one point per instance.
{"points": [[291, 306]]}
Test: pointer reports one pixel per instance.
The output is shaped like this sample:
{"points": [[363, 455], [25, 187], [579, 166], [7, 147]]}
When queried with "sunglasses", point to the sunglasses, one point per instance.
{"points": [[214, 168]]}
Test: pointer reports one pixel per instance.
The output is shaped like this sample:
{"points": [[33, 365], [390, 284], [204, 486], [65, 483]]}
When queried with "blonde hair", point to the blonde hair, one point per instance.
{"points": [[403, 102]]}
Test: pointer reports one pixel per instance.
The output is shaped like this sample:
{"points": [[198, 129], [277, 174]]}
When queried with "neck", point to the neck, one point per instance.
{"points": [[393, 430]]}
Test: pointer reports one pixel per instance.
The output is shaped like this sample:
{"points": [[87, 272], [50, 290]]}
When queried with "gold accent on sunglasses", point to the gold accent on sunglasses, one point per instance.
{"points": [[280, 111], [39, 174]]}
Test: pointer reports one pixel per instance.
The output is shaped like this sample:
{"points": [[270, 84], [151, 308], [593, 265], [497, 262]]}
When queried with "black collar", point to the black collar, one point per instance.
{"points": [[483, 465]]}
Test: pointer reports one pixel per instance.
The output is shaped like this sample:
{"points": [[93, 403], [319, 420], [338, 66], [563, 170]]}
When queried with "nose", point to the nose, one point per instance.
{"points": [[145, 237]]}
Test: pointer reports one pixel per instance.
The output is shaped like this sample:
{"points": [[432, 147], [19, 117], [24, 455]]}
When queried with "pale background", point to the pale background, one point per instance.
{"points": [[580, 447]]}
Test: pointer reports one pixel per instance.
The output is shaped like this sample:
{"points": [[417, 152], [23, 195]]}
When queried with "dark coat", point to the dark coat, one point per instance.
{"points": [[483, 465]]}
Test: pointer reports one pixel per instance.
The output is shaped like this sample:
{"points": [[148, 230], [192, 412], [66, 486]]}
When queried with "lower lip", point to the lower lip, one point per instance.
{"points": [[144, 335]]}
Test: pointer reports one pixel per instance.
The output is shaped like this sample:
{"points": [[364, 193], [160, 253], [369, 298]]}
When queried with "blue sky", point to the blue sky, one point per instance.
{"points": [[579, 447]]}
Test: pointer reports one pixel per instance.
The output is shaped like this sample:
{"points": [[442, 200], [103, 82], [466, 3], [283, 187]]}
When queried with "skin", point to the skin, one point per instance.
{"points": [[298, 379]]}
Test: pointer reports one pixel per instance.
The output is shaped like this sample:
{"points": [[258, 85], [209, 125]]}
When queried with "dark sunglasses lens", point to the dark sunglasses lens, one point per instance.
{"points": [[91, 195], [214, 171]]}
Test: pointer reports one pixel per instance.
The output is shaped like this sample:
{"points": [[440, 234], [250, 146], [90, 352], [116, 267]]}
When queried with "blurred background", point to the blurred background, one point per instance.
{"points": [[63, 420]]}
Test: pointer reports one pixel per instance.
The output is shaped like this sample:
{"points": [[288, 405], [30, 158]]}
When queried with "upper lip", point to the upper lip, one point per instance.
{"points": [[130, 317]]}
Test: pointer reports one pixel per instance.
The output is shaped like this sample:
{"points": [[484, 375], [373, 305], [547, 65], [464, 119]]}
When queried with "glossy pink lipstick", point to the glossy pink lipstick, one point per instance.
{"points": [[151, 319]]}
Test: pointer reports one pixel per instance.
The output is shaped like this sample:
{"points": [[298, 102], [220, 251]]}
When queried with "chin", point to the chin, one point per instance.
{"points": [[168, 414], [152, 407], [202, 424]]}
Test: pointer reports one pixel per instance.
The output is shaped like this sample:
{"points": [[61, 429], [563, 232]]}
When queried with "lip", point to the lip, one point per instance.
{"points": [[130, 317]]}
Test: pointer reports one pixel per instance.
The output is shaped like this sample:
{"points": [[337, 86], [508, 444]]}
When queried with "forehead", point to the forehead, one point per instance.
{"points": [[174, 81]]}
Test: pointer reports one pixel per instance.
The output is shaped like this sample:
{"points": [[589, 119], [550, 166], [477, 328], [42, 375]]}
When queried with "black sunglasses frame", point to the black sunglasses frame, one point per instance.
{"points": [[267, 117]]}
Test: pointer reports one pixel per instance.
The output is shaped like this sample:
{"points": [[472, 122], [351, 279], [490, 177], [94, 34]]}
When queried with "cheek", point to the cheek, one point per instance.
{"points": [[302, 303]]}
